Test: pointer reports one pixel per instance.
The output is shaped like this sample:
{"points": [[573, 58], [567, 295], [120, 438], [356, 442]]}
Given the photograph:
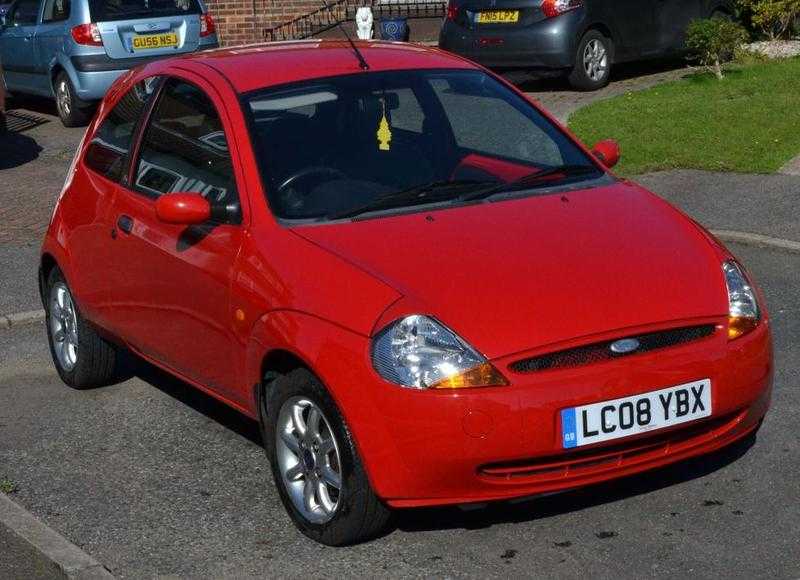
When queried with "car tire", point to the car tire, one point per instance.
{"points": [[72, 111], [306, 466], [593, 60], [82, 358]]}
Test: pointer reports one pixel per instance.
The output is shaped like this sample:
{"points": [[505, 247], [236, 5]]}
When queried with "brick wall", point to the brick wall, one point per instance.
{"points": [[243, 21]]}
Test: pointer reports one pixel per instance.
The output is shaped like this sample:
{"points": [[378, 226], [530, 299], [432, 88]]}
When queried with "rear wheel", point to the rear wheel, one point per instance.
{"points": [[593, 61], [82, 358], [317, 470], [73, 111]]}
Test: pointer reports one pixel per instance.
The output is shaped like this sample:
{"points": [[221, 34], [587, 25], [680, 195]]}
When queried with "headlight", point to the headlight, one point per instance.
{"points": [[420, 353], [743, 311]]}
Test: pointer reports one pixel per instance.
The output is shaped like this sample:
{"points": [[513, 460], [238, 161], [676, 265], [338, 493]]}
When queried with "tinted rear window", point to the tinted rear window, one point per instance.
{"points": [[110, 10]]}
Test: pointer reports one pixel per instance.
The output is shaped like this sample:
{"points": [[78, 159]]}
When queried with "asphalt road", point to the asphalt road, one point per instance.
{"points": [[152, 478]]}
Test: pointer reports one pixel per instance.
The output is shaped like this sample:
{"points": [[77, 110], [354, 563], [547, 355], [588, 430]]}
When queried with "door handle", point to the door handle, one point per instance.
{"points": [[125, 223]]}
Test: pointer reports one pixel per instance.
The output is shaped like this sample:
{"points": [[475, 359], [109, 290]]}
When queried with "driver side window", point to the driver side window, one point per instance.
{"points": [[184, 148], [24, 13]]}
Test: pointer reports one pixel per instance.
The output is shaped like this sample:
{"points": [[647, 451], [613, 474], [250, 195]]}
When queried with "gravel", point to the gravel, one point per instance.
{"points": [[775, 48]]}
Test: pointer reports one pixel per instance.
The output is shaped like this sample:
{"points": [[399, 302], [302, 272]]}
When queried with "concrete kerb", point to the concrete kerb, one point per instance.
{"points": [[55, 555]]}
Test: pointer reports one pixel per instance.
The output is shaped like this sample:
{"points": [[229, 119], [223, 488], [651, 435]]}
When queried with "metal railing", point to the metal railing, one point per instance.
{"points": [[340, 11]]}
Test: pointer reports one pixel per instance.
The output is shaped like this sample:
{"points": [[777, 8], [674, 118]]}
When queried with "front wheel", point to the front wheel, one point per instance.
{"points": [[593, 61], [317, 470], [73, 111]]}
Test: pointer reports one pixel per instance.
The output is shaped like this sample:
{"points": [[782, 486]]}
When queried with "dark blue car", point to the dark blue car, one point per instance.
{"points": [[578, 38]]}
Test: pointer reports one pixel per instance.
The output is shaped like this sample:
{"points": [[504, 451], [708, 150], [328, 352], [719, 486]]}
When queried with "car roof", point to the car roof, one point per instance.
{"points": [[260, 66]]}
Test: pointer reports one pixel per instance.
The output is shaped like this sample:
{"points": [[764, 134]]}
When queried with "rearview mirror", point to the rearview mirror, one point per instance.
{"points": [[607, 152], [183, 208]]}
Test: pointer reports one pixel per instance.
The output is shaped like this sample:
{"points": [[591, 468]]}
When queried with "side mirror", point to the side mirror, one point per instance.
{"points": [[607, 152], [183, 208]]}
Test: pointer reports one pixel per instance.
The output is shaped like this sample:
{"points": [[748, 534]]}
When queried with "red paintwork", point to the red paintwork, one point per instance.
{"points": [[514, 278], [607, 152], [183, 208]]}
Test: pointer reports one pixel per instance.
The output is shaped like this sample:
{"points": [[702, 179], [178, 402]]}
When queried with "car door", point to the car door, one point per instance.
{"points": [[171, 285], [50, 35], [22, 71], [633, 24], [106, 166], [672, 18]]}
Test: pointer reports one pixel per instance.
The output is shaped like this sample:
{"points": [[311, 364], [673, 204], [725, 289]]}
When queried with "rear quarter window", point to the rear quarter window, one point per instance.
{"points": [[109, 148], [113, 10]]}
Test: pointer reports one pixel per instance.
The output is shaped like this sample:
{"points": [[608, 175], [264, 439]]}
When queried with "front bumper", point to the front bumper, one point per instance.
{"points": [[434, 448], [547, 45]]}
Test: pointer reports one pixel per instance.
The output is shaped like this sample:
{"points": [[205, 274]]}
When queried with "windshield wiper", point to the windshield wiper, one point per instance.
{"points": [[419, 194], [530, 180]]}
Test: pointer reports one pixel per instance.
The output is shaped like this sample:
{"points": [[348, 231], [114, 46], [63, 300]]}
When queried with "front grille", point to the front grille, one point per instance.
{"points": [[601, 351]]}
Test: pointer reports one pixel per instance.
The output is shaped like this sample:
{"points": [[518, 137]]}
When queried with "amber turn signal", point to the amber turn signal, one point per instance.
{"points": [[483, 375], [739, 326]]}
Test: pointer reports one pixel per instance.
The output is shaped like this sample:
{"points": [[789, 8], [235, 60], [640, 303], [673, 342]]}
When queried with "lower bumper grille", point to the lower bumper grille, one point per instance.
{"points": [[596, 460]]}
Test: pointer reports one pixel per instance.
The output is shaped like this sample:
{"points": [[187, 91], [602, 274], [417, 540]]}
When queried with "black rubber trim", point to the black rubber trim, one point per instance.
{"points": [[104, 63]]}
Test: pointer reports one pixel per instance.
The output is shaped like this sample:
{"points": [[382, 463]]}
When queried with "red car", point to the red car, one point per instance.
{"points": [[425, 290]]}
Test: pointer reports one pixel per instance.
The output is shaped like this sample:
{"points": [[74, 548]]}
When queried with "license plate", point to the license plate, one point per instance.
{"points": [[498, 16], [147, 41], [637, 414]]}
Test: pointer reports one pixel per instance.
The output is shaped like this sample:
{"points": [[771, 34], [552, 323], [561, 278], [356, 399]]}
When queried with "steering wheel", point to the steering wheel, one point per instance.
{"points": [[316, 170]]}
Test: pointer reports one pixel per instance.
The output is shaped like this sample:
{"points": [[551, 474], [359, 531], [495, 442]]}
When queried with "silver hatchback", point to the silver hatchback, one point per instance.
{"points": [[72, 50]]}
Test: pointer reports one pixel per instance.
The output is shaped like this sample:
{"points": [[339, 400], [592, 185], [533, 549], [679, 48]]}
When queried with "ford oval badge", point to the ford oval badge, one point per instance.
{"points": [[625, 346]]}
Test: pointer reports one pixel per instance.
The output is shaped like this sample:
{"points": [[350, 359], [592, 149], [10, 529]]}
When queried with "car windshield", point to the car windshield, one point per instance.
{"points": [[358, 144], [113, 10]]}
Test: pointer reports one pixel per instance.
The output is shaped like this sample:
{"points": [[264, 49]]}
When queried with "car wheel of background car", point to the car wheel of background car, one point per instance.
{"points": [[315, 463], [73, 111], [593, 62], [82, 358]]}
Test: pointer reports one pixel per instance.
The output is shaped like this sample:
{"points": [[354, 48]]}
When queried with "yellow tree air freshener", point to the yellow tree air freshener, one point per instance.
{"points": [[384, 133]]}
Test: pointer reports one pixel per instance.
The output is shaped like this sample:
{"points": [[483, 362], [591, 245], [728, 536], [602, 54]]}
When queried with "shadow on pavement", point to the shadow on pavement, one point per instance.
{"points": [[33, 103], [495, 513], [529, 83], [194, 398], [17, 149]]}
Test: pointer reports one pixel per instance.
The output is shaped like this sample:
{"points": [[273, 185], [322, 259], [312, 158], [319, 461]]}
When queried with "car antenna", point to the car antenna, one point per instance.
{"points": [[362, 62]]}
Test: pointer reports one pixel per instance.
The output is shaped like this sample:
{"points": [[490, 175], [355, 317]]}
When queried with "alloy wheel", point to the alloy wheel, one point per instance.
{"points": [[308, 459], [63, 326], [595, 60], [64, 99]]}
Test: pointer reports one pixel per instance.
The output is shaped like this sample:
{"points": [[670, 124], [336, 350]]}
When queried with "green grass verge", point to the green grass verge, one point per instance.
{"points": [[749, 122]]}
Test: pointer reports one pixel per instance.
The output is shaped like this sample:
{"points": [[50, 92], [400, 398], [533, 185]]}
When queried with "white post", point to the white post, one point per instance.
{"points": [[364, 21]]}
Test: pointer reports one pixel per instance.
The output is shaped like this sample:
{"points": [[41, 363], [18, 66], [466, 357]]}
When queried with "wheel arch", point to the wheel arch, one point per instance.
{"points": [[47, 264], [275, 363], [603, 29]]}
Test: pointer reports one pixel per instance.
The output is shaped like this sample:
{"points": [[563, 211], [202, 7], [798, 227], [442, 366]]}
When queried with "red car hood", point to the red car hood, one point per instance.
{"points": [[514, 275]]}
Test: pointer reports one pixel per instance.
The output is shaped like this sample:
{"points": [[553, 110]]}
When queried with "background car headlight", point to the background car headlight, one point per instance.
{"points": [[743, 311], [421, 353]]}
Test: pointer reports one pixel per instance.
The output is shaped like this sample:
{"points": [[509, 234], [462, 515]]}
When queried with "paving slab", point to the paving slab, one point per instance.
{"points": [[151, 478], [761, 204]]}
